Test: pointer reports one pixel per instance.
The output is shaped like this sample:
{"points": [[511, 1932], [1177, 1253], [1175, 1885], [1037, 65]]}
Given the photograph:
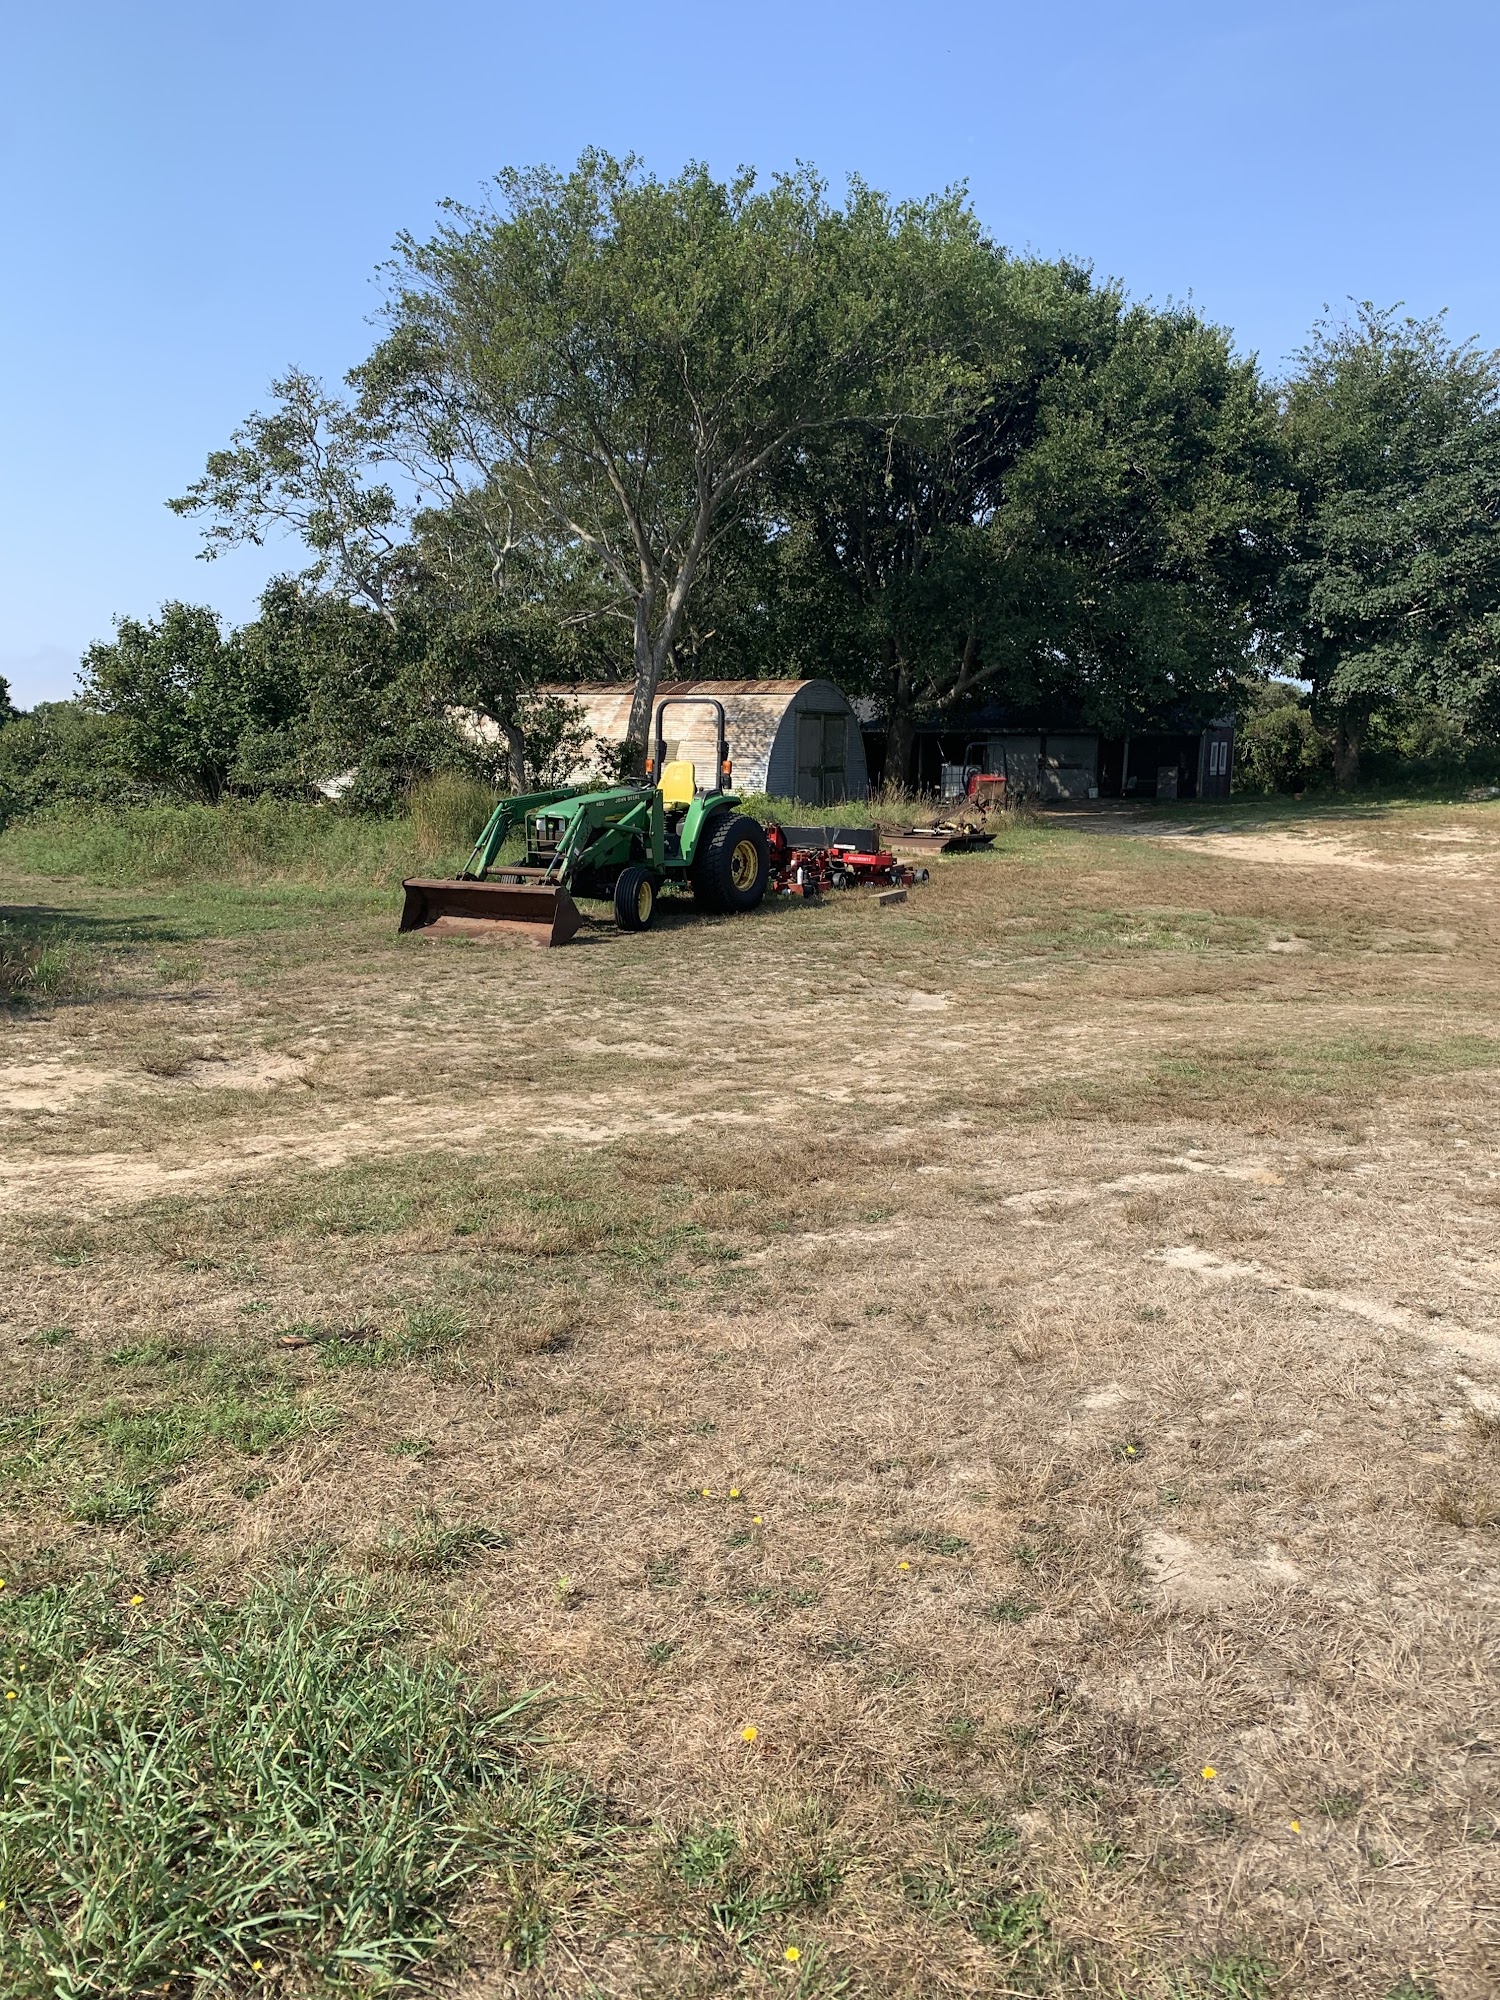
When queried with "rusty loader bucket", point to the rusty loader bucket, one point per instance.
{"points": [[515, 910]]}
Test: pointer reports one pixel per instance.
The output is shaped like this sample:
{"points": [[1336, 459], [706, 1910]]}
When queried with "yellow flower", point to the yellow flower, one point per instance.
{"points": [[757, 1520], [792, 1954], [137, 1599], [903, 1565], [2, 1583], [1209, 1774], [734, 1493], [1295, 1825], [706, 1494], [749, 1733], [10, 1694]]}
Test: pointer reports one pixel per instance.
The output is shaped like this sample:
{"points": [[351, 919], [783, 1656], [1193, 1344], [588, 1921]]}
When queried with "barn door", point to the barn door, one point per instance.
{"points": [[822, 758]]}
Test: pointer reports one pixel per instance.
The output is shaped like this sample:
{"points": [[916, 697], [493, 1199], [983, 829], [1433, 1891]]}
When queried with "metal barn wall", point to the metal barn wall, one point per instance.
{"points": [[767, 722], [836, 769]]}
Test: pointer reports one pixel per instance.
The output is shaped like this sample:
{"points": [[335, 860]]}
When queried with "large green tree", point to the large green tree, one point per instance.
{"points": [[1392, 600], [1085, 507], [611, 363]]}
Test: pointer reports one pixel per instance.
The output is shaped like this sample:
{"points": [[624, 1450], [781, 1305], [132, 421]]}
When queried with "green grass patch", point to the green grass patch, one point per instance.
{"points": [[933, 1541], [117, 1503], [164, 1436], [426, 1333], [732, 1892], [1241, 1975], [220, 1799], [558, 1205], [1129, 933], [980, 1893]]}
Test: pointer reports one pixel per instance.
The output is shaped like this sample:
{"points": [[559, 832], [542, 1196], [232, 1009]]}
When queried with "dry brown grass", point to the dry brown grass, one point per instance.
{"points": [[1016, 1353]]}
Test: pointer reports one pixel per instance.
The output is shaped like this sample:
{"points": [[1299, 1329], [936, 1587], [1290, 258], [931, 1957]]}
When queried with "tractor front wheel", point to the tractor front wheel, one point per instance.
{"points": [[635, 899], [733, 864]]}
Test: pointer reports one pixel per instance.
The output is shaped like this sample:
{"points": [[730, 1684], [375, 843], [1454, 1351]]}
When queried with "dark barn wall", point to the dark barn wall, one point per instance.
{"points": [[1064, 762]]}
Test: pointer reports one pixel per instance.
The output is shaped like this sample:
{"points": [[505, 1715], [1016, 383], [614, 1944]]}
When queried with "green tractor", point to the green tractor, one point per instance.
{"points": [[627, 843]]}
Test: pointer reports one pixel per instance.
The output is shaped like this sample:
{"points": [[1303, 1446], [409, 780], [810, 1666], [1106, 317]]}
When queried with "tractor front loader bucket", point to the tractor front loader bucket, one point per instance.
{"points": [[516, 911]]}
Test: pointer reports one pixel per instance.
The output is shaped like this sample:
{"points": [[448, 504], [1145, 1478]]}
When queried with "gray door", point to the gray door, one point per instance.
{"points": [[1070, 767], [1017, 757], [822, 757]]}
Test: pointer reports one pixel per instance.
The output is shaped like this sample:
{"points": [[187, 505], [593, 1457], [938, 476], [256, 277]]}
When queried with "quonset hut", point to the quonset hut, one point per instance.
{"points": [[794, 739]]}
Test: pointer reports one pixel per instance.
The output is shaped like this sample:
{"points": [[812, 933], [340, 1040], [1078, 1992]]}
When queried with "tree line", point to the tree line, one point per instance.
{"points": [[618, 427]]}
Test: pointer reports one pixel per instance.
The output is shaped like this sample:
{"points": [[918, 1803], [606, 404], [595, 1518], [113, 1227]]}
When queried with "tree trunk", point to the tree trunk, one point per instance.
{"points": [[515, 755], [900, 731], [1347, 743], [637, 742]]}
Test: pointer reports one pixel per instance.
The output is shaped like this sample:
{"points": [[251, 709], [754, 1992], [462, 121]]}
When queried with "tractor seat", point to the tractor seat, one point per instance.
{"points": [[679, 782]]}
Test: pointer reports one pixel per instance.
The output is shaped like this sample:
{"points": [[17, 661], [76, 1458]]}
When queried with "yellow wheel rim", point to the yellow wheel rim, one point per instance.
{"points": [[645, 899], [744, 864]]}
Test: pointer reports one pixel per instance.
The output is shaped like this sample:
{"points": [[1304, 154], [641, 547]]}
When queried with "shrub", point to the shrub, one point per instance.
{"points": [[60, 754], [1278, 747]]}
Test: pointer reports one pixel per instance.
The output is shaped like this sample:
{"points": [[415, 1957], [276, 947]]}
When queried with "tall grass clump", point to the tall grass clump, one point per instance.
{"points": [[37, 969], [226, 1799], [449, 810], [238, 841], [891, 806]]}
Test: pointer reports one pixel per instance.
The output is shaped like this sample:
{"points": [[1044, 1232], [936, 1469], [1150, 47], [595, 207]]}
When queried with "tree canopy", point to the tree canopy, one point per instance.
{"points": [[1392, 597], [616, 427]]}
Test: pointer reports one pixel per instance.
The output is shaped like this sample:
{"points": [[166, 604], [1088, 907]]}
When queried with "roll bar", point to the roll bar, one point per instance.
{"points": [[656, 762]]}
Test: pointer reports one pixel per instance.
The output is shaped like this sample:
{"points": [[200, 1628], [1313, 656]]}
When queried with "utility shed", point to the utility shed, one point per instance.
{"points": [[1057, 758], [794, 739]]}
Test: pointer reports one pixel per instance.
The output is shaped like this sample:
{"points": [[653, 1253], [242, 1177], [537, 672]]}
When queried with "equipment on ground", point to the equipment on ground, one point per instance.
{"points": [[625, 842], [944, 838], [971, 779], [809, 861]]}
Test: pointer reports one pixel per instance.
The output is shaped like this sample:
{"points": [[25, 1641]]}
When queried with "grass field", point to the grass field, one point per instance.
{"points": [[940, 1450]]}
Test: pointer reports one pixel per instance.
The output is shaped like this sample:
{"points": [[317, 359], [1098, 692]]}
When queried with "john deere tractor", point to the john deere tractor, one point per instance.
{"points": [[628, 843]]}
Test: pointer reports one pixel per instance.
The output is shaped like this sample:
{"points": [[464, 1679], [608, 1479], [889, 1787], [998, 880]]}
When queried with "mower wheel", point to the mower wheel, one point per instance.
{"points": [[733, 864], [635, 899]]}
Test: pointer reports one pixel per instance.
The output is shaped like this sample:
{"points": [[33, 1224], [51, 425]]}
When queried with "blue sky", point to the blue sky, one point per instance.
{"points": [[196, 195]]}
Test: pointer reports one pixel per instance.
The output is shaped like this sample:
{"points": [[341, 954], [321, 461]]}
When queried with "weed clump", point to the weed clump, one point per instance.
{"points": [[436, 1548], [36, 968], [187, 1803]]}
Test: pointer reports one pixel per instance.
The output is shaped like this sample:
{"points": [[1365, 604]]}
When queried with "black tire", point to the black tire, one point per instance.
{"points": [[732, 865], [635, 899]]}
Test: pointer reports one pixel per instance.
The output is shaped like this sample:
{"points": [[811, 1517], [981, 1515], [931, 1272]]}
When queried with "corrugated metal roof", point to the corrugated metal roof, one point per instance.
{"points": [[605, 690]]}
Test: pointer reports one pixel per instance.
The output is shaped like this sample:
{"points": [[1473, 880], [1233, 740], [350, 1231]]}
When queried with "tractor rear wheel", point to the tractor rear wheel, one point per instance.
{"points": [[635, 899], [732, 865]]}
